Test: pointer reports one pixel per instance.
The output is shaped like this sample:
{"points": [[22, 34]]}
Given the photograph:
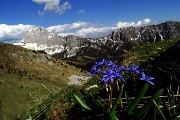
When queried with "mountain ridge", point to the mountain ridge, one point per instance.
{"points": [[121, 39]]}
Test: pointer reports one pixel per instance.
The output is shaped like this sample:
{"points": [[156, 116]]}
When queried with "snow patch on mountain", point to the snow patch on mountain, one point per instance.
{"points": [[49, 50], [32, 46], [39, 38]]}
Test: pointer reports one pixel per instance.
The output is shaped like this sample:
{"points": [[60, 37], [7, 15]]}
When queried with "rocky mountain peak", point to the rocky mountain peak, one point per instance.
{"points": [[39, 38], [126, 38]]}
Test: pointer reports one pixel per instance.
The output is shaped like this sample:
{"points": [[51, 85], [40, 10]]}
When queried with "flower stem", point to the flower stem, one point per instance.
{"points": [[110, 97]]}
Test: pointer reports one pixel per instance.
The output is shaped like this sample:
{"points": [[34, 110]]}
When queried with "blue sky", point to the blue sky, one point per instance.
{"points": [[86, 18]]}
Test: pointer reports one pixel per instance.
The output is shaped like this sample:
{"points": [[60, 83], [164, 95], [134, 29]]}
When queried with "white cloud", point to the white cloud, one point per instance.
{"points": [[62, 8], [94, 32], [13, 32], [102, 31], [54, 5], [83, 29], [135, 24], [41, 13], [80, 11], [66, 34], [65, 27], [41, 1], [146, 21]]}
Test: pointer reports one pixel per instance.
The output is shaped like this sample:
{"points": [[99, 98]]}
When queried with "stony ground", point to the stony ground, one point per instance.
{"points": [[77, 80]]}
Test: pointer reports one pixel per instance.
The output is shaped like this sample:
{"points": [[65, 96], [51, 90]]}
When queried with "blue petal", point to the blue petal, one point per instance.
{"points": [[150, 82], [142, 78], [106, 80], [111, 79], [105, 75], [143, 75]]}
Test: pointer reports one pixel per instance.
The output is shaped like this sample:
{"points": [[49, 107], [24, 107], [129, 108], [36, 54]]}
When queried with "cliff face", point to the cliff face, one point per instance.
{"points": [[126, 38], [149, 33], [38, 38], [118, 40]]}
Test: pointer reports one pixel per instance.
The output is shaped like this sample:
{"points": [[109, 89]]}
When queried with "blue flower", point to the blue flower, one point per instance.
{"points": [[103, 62], [147, 79], [55, 89], [134, 68], [119, 76], [109, 63], [122, 68], [108, 71], [94, 70], [108, 76], [98, 67]]}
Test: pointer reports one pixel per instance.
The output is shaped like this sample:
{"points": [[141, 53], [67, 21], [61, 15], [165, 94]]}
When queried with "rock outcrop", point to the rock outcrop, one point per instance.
{"points": [[126, 38]]}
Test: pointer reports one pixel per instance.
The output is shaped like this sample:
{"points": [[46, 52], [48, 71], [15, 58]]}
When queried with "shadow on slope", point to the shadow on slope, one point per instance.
{"points": [[166, 68], [161, 60]]}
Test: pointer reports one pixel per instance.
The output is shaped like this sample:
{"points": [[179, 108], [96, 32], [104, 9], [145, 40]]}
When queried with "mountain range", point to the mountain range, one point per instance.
{"points": [[38, 38]]}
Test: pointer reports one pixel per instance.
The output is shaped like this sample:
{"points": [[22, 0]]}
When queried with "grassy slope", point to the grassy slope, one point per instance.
{"points": [[22, 76], [136, 56], [147, 52], [160, 60], [18, 95]]}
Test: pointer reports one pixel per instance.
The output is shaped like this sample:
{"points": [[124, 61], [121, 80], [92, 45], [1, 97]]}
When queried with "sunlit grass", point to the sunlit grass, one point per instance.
{"points": [[147, 52], [28, 77]]}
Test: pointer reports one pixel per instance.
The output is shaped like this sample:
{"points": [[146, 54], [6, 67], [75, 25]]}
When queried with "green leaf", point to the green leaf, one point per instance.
{"points": [[159, 110], [172, 104], [94, 100], [177, 118], [146, 107], [156, 108], [127, 98], [118, 99], [133, 104], [98, 102], [81, 103]]}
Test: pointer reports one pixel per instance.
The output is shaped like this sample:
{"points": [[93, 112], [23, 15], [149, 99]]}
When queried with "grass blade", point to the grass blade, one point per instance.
{"points": [[93, 100], [137, 99], [177, 118], [81, 102], [112, 112], [146, 107], [159, 110]]}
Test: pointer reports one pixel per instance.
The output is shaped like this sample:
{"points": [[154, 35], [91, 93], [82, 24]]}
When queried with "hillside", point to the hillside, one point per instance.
{"points": [[147, 52], [160, 59], [27, 77]]}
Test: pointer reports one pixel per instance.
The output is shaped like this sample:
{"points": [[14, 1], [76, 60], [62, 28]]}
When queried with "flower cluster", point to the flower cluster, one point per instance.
{"points": [[108, 71]]}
